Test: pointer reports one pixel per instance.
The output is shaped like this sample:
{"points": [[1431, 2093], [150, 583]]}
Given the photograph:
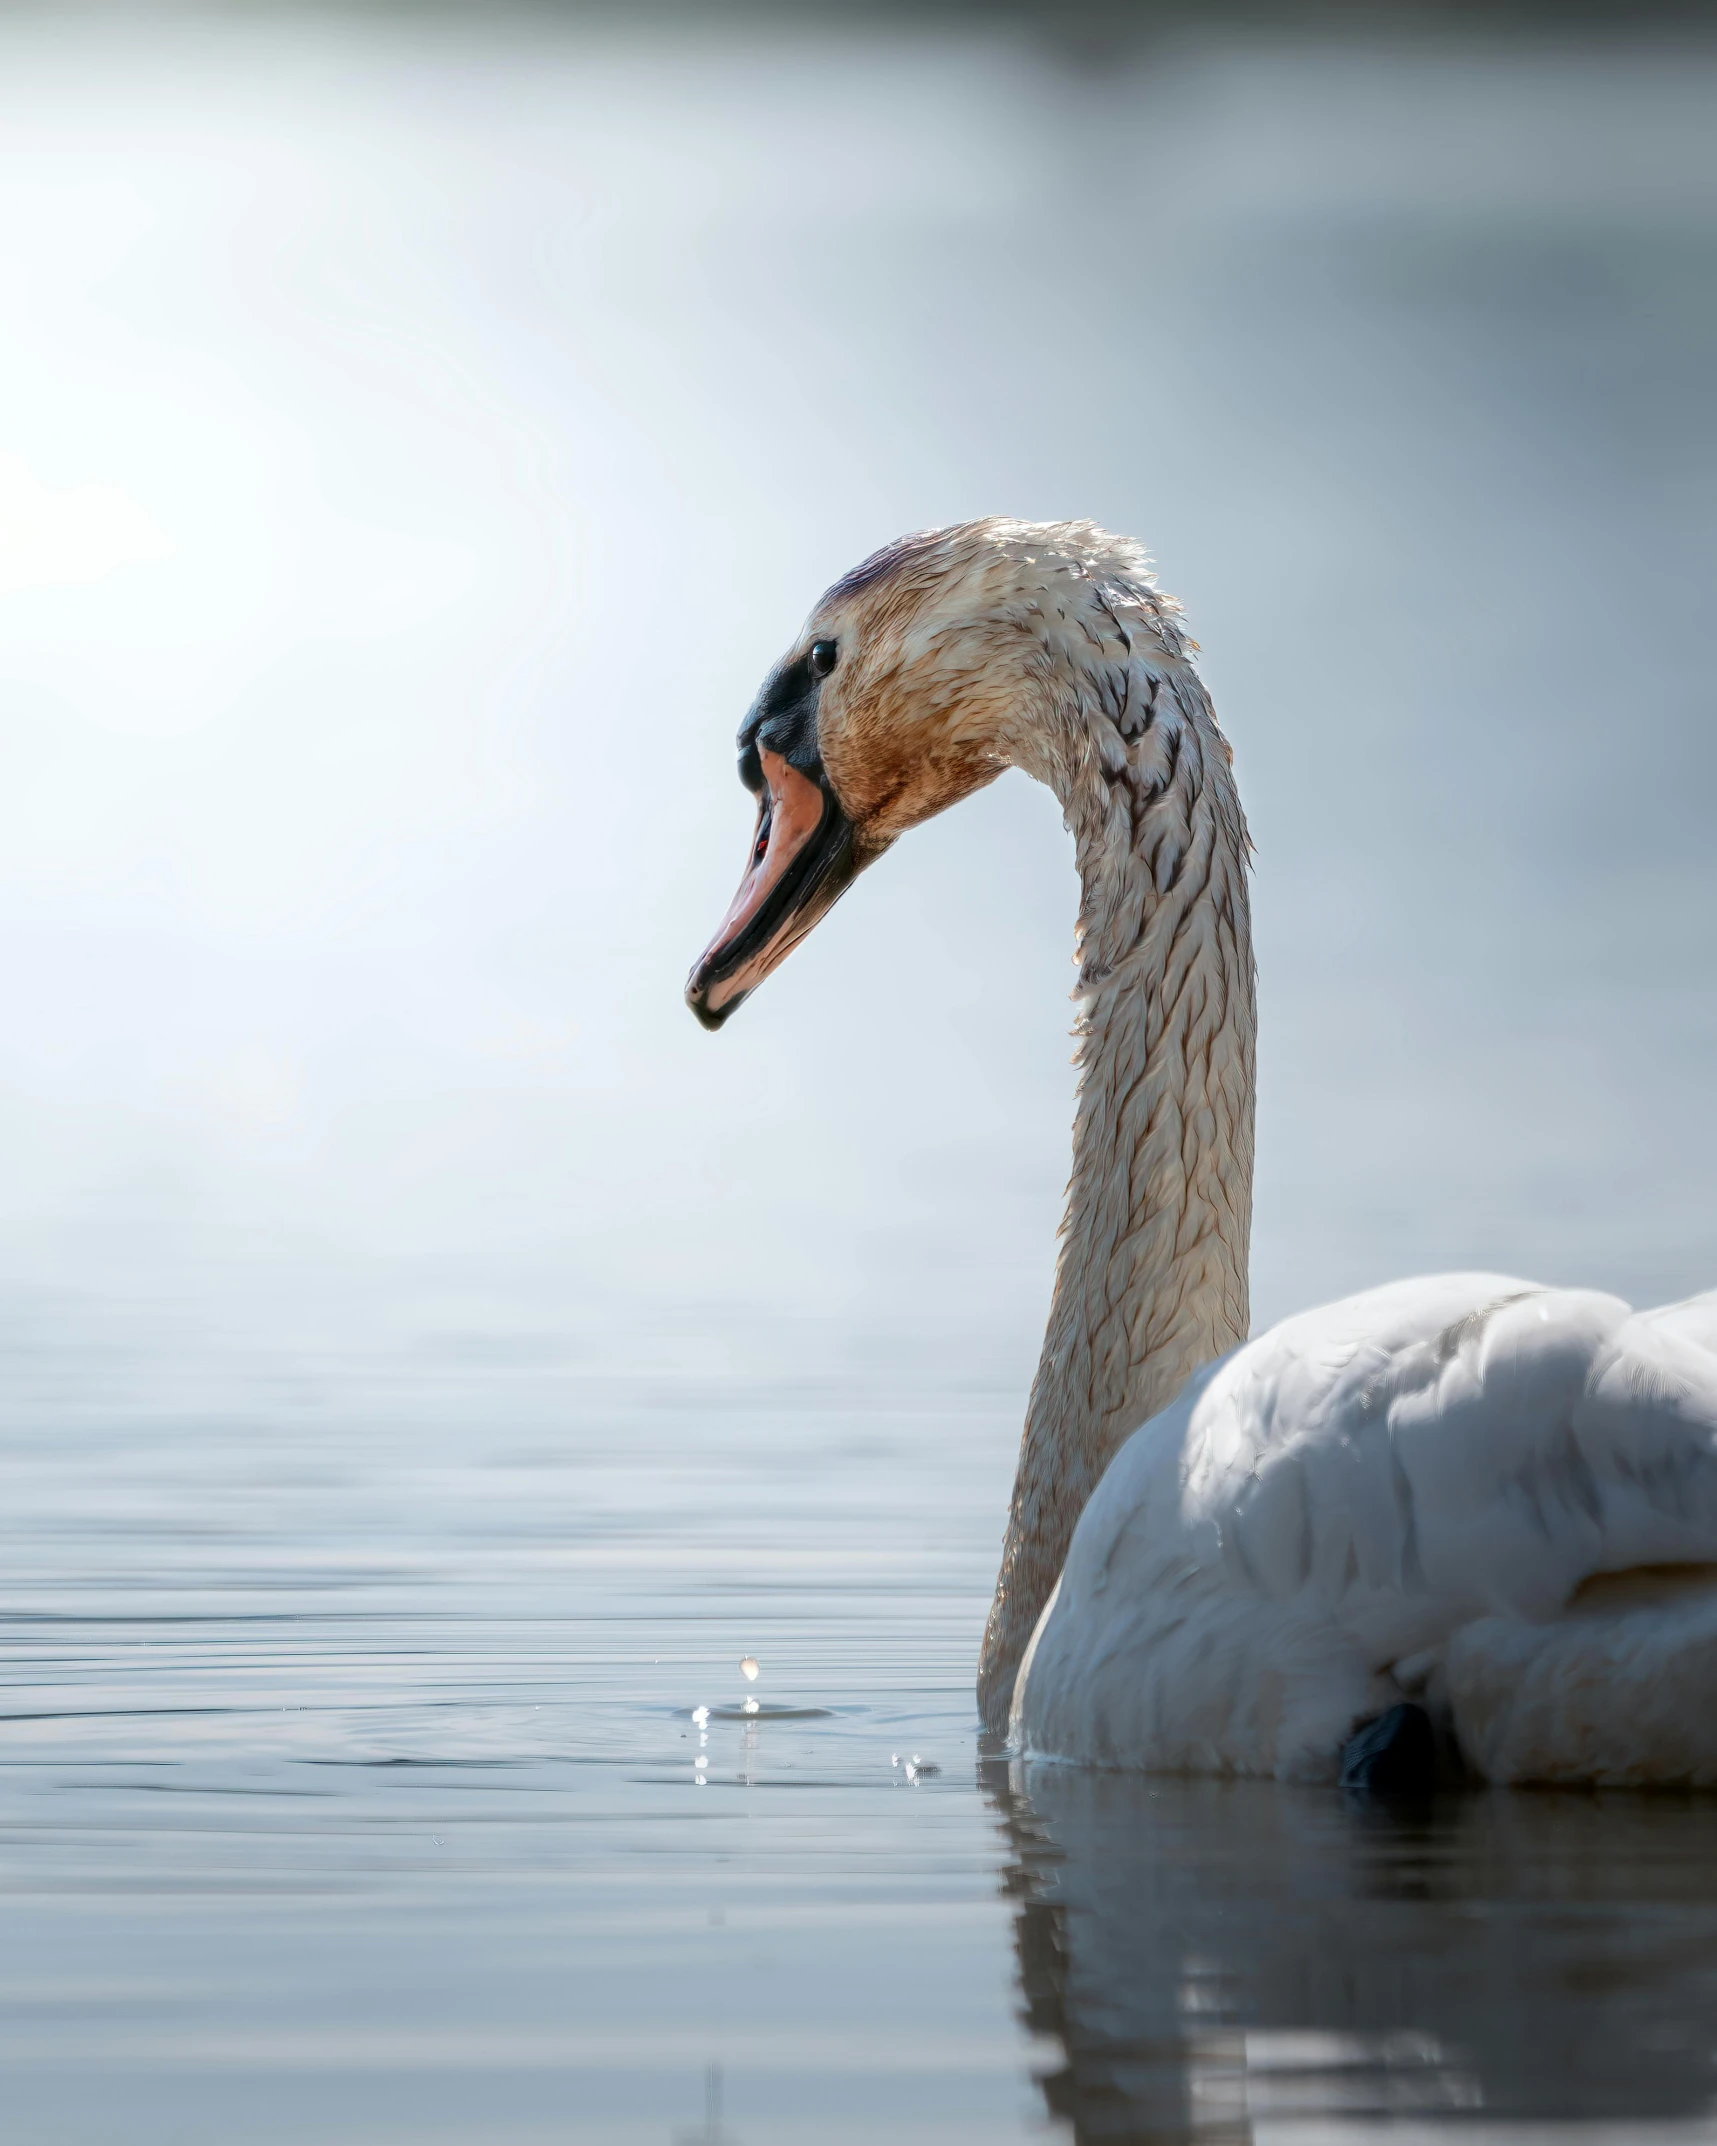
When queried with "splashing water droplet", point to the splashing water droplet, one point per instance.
{"points": [[700, 1714], [751, 1706]]}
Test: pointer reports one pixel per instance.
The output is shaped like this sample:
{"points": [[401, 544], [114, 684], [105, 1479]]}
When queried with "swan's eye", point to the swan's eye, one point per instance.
{"points": [[823, 654]]}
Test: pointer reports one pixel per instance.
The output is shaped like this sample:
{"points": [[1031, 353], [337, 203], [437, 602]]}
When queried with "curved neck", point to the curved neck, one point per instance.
{"points": [[1151, 1279]]}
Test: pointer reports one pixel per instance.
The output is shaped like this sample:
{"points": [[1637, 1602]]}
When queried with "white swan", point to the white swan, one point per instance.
{"points": [[1465, 1500]]}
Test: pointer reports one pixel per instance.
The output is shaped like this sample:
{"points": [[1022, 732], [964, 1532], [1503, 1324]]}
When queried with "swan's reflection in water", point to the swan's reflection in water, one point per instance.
{"points": [[1234, 1961]]}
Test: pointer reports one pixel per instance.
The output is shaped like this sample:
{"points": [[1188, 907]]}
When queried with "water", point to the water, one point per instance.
{"points": [[359, 1795], [430, 1365], [351, 1789]]}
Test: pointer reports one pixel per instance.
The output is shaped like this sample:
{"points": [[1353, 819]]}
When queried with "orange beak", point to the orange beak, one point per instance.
{"points": [[803, 859]]}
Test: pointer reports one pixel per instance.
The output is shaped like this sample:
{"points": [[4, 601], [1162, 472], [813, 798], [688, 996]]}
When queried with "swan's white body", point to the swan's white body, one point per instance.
{"points": [[1402, 1496], [1495, 1498]]}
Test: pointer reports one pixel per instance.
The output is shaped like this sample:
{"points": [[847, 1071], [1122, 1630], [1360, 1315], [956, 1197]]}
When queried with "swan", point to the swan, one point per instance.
{"points": [[1464, 1520]]}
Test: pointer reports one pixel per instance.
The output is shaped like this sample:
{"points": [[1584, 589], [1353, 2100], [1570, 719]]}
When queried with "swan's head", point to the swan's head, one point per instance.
{"points": [[915, 681]]}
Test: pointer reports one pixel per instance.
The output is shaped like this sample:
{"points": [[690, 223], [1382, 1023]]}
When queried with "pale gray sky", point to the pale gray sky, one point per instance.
{"points": [[415, 444]]}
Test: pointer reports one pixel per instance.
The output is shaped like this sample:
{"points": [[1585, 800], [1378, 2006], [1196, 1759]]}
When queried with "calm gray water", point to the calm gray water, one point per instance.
{"points": [[428, 1364], [352, 1789]]}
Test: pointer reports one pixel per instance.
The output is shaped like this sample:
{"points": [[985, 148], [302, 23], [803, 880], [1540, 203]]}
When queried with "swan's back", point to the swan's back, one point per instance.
{"points": [[1405, 1492]]}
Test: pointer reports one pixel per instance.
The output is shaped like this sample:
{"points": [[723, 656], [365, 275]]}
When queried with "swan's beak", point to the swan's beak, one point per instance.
{"points": [[803, 858]]}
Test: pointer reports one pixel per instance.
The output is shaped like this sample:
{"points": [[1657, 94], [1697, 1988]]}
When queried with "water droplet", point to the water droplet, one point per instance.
{"points": [[750, 1706], [748, 1669], [700, 1714]]}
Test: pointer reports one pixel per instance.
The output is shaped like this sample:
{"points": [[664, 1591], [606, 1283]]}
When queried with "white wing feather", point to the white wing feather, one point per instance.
{"points": [[1301, 1536]]}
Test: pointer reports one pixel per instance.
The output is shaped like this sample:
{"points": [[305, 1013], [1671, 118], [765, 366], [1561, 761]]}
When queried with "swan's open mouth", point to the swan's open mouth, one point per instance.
{"points": [[803, 858]]}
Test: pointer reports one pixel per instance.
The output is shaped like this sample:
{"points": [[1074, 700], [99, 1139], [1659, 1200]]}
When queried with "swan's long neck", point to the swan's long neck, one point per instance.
{"points": [[1151, 1280]]}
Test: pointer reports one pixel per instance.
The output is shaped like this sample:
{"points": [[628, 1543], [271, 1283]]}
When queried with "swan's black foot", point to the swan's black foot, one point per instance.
{"points": [[1395, 1755]]}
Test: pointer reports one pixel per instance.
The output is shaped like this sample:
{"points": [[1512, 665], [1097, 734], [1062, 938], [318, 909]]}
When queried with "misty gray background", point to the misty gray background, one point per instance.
{"points": [[429, 1362], [418, 442]]}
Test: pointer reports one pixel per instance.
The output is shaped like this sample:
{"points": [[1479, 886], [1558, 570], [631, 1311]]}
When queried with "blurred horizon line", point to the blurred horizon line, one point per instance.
{"points": [[1093, 23]]}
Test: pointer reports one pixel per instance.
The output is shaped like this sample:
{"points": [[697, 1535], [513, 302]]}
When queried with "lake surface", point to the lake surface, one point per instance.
{"points": [[352, 1786], [429, 1365]]}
